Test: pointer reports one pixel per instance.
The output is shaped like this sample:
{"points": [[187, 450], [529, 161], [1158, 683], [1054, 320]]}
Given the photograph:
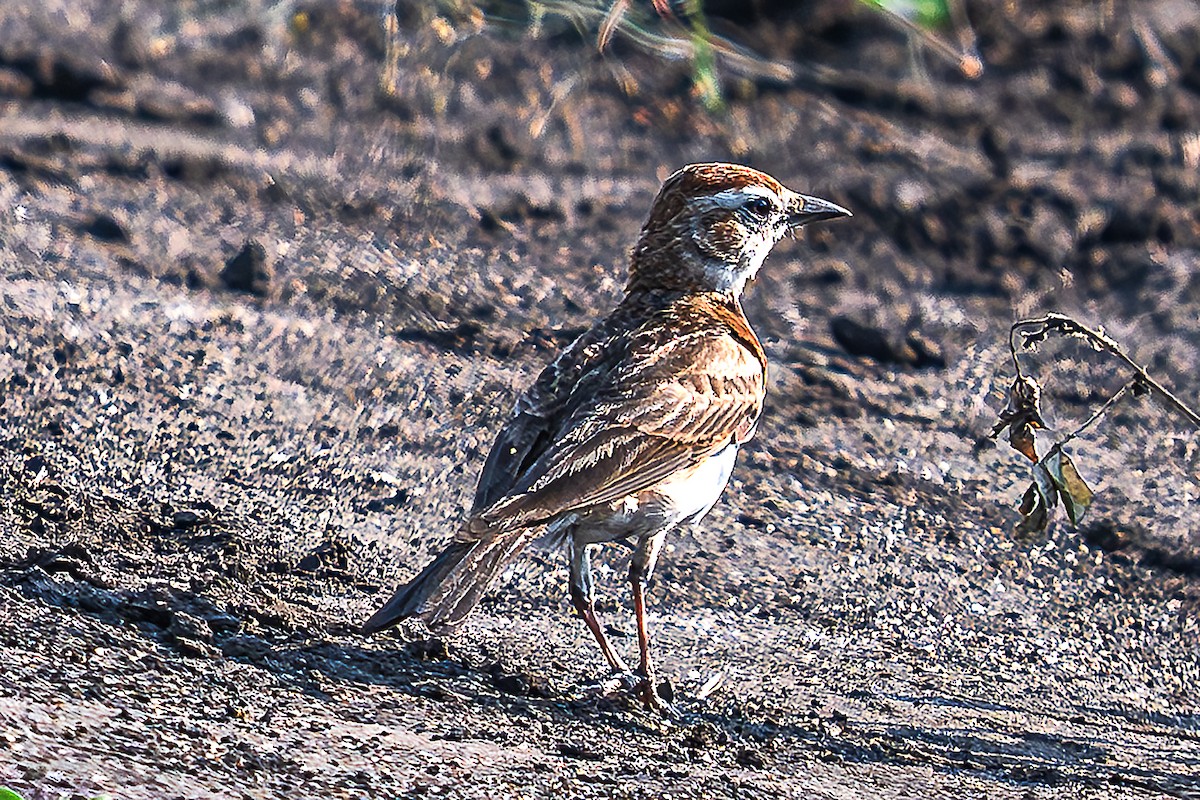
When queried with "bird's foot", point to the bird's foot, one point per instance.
{"points": [[646, 690], [635, 685], [651, 695]]}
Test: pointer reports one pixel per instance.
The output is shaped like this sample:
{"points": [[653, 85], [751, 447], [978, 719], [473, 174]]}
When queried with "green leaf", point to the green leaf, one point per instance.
{"points": [[9, 794], [933, 13], [926, 13], [1076, 494], [705, 80]]}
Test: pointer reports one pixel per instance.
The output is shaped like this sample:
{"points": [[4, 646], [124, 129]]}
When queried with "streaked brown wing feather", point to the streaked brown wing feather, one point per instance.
{"points": [[676, 401], [541, 410]]}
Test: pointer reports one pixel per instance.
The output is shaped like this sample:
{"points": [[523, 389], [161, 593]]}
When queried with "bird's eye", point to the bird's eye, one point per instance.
{"points": [[759, 207]]}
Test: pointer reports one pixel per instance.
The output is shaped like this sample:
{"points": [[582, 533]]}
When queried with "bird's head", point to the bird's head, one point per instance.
{"points": [[712, 225]]}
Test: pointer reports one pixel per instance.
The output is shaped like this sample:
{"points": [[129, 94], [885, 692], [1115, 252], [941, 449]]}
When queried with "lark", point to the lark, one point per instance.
{"points": [[633, 430]]}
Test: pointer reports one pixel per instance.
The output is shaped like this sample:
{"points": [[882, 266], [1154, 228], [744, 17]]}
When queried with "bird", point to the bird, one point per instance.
{"points": [[632, 431]]}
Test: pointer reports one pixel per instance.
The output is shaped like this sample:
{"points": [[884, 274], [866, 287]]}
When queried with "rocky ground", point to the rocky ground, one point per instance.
{"points": [[261, 319]]}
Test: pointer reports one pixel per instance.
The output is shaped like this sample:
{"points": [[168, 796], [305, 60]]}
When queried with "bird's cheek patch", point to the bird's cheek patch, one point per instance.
{"points": [[720, 238]]}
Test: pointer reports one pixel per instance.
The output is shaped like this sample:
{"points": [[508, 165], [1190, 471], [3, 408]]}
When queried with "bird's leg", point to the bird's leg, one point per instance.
{"points": [[582, 597], [645, 688], [586, 610], [640, 568]]}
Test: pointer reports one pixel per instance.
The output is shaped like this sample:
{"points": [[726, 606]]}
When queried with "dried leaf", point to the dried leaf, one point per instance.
{"points": [[1040, 499], [1021, 416], [1020, 438], [1029, 500], [1034, 514], [1076, 494]]}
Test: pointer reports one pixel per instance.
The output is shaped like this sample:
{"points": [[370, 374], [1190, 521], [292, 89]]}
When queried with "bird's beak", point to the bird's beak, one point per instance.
{"points": [[804, 209]]}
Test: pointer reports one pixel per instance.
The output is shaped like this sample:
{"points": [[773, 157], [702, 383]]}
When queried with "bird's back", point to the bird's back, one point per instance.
{"points": [[693, 353]]}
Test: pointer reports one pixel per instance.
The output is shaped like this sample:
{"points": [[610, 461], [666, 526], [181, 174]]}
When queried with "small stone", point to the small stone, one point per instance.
{"points": [[429, 649], [106, 229], [14, 83], [520, 684], [874, 343], [248, 271], [187, 518], [574, 751], [310, 563], [749, 757], [396, 500], [186, 626], [251, 648], [220, 622], [196, 649]]}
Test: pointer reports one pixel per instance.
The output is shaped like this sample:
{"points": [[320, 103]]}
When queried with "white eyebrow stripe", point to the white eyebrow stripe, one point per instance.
{"points": [[733, 198]]}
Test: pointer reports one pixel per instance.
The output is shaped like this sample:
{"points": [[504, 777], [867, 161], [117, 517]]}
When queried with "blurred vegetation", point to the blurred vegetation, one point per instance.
{"points": [[677, 30], [930, 14]]}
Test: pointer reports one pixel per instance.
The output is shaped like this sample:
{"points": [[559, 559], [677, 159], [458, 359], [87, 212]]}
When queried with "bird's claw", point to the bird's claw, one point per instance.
{"points": [[642, 688], [652, 700]]}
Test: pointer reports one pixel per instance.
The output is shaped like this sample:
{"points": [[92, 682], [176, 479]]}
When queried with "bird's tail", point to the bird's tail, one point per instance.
{"points": [[446, 591]]}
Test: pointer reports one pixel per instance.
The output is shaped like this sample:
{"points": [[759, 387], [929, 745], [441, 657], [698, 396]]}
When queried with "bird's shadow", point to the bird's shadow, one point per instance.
{"points": [[424, 668]]}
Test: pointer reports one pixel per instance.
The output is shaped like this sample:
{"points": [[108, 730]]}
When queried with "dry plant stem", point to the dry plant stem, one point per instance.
{"points": [[941, 47], [962, 24], [389, 76], [619, 16], [1109, 403], [1159, 70], [1068, 327], [610, 22]]}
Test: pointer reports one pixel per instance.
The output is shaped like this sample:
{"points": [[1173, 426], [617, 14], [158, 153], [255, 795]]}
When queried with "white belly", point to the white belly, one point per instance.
{"points": [[683, 498], [692, 495]]}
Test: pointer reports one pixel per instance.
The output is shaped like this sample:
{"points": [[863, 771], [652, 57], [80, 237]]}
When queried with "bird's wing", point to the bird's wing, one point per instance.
{"points": [[517, 446], [541, 410], [674, 401]]}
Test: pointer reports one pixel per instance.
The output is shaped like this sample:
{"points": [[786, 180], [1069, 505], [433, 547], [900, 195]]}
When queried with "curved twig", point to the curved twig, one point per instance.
{"points": [[1109, 403], [1066, 326]]}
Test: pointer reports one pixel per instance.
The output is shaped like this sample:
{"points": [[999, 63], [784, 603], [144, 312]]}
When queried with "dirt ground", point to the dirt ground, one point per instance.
{"points": [[261, 320]]}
